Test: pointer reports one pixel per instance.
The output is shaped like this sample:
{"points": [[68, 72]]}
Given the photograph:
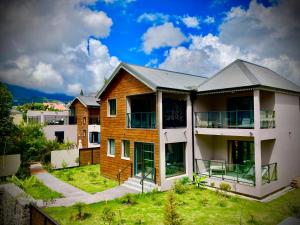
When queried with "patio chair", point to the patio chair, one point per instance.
{"points": [[217, 166]]}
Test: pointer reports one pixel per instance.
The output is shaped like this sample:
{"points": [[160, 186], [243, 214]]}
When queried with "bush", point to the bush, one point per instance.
{"points": [[171, 217], [128, 199], [212, 184], [224, 187], [199, 181], [185, 180], [179, 188], [80, 215], [108, 215]]}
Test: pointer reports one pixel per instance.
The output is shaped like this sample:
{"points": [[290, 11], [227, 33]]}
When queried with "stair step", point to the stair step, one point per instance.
{"points": [[134, 183]]}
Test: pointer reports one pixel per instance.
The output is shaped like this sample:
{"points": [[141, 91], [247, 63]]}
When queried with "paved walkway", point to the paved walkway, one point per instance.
{"points": [[72, 194]]}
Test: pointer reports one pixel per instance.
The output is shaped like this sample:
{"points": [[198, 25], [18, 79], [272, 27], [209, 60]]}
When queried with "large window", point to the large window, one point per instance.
{"points": [[174, 113], [125, 149], [112, 107], [175, 159], [94, 137], [111, 147]]}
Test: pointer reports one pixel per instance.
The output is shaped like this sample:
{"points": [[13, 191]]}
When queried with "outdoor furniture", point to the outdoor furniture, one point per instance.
{"points": [[217, 166]]}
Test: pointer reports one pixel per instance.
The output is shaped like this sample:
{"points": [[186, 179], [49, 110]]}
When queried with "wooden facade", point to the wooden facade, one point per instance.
{"points": [[114, 127]]}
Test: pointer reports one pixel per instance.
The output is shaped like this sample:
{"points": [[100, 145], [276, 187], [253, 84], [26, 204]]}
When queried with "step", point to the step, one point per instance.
{"points": [[134, 183]]}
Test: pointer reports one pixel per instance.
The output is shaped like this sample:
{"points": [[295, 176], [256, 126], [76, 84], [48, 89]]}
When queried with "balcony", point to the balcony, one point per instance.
{"points": [[225, 171], [225, 119], [94, 120], [145, 120]]}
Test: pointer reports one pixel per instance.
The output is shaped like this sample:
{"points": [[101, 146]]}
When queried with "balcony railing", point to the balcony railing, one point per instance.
{"points": [[225, 171], [94, 120], [267, 119], [225, 119], [141, 120], [269, 173]]}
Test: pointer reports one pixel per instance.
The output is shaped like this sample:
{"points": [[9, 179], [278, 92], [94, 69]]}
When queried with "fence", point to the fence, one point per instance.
{"points": [[38, 217], [64, 158], [89, 156]]}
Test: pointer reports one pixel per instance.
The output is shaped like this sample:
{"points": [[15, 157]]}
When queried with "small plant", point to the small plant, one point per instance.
{"points": [[171, 217], [92, 175], [80, 215], [185, 180], [179, 188], [204, 201], [252, 219], [224, 187], [69, 175], [128, 199], [64, 164], [222, 202], [121, 221], [139, 222], [108, 215], [212, 184], [199, 181], [26, 183]]}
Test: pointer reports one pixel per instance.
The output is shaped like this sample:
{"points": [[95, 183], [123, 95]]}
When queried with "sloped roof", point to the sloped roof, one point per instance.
{"points": [[158, 78], [242, 74], [87, 101]]}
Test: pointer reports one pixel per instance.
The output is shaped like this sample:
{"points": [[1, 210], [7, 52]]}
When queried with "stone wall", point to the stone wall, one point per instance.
{"points": [[14, 205]]}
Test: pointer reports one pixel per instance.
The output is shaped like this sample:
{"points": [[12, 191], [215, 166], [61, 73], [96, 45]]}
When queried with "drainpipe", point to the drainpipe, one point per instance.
{"points": [[193, 96]]}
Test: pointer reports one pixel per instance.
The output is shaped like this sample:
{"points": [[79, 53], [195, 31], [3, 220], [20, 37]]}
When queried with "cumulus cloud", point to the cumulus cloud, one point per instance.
{"points": [[269, 36], [165, 35], [44, 45], [209, 20], [191, 21], [153, 17]]}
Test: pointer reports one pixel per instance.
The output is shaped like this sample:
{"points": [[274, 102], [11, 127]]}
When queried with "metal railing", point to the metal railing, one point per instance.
{"points": [[269, 173], [225, 119], [94, 120], [152, 171], [122, 170], [267, 119], [226, 171], [141, 120]]}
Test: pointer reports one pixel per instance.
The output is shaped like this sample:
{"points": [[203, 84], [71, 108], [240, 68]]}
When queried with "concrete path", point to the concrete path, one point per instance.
{"points": [[72, 194]]}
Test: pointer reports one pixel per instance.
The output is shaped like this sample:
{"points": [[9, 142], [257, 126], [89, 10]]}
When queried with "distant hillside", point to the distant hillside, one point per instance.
{"points": [[23, 95]]}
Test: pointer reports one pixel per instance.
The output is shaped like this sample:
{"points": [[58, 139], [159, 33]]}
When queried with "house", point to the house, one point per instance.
{"points": [[86, 110], [241, 126], [16, 115], [59, 125]]}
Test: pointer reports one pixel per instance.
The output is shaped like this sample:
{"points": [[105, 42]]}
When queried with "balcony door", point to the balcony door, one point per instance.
{"points": [[240, 112], [144, 160], [241, 152]]}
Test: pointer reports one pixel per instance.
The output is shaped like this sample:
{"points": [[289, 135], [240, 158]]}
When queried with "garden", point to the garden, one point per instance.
{"points": [[185, 204]]}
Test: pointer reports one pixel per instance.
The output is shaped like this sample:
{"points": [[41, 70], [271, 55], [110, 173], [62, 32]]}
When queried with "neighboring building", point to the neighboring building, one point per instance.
{"points": [[241, 126], [17, 116], [87, 111], [58, 124], [55, 105]]}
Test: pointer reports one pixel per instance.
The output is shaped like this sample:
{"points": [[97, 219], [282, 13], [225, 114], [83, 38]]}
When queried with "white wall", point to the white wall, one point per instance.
{"points": [[70, 157], [9, 164], [93, 128], [70, 132]]}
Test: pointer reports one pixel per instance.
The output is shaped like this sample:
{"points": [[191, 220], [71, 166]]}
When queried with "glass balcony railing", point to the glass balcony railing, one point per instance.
{"points": [[226, 171], [267, 119], [141, 120], [269, 173], [225, 119]]}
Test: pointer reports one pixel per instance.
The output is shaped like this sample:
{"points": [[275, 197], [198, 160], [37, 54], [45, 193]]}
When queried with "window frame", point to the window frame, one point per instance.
{"points": [[109, 147], [123, 150], [91, 137], [108, 107]]}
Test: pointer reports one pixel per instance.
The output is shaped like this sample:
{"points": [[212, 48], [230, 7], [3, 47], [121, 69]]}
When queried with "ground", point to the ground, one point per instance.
{"points": [[195, 206], [40, 191], [86, 178]]}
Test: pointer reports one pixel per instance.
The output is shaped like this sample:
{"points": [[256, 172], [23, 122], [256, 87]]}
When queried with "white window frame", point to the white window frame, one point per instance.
{"points": [[108, 107], [123, 150], [108, 148]]}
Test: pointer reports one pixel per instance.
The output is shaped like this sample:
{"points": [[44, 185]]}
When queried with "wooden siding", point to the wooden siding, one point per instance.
{"points": [[123, 85], [89, 156]]}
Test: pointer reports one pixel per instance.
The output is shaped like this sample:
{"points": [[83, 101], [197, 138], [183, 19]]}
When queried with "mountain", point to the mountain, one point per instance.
{"points": [[23, 95]]}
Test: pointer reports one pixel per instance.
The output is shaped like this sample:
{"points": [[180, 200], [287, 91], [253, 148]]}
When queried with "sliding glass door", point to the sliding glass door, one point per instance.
{"points": [[144, 160]]}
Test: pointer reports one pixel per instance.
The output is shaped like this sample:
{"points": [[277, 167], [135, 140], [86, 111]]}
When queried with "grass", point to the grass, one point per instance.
{"points": [[86, 178], [196, 206]]}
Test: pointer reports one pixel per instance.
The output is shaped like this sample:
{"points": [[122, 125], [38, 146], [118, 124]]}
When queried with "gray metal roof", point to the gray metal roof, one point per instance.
{"points": [[158, 78], [242, 74], [87, 101]]}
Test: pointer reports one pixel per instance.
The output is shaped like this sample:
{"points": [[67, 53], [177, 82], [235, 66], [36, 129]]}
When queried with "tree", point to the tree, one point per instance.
{"points": [[171, 215], [81, 92]]}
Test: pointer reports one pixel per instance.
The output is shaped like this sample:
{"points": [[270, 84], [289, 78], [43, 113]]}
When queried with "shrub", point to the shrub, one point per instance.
{"points": [[212, 184], [199, 181], [69, 175], [171, 217], [225, 187], [179, 188], [222, 202], [204, 201], [108, 215], [92, 175], [26, 183], [128, 199], [251, 219], [80, 215], [64, 164], [185, 180]]}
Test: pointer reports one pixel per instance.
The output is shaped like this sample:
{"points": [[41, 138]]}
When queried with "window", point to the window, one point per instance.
{"points": [[94, 137], [175, 159], [111, 147], [59, 135], [125, 149], [84, 120], [84, 133], [112, 107], [174, 113]]}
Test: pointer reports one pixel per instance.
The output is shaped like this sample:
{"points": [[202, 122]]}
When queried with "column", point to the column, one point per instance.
{"points": [[257, 156], [256, 104]]}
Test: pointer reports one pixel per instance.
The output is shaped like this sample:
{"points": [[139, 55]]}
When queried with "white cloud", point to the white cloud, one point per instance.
{"points": [[45, 45], [165, 35], [153, 17], [191, 21], [268, 36], [209, 19]]}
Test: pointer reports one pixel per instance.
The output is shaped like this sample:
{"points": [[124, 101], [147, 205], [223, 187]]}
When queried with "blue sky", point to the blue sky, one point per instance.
{"points": [[65, 46]]}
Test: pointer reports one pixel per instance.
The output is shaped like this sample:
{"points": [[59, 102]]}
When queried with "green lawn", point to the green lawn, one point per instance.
{"points": [[86, 178], [196, 206], [40, 191]]}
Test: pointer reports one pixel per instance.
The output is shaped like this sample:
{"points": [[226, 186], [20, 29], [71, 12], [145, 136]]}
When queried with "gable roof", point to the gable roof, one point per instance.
{"points": [[87, 101], [242, 74], [158, 78]]}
